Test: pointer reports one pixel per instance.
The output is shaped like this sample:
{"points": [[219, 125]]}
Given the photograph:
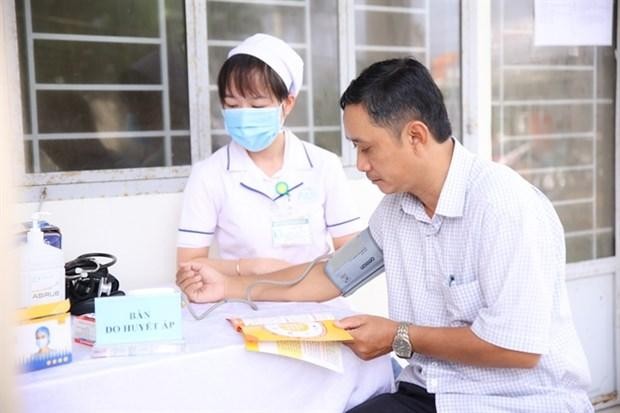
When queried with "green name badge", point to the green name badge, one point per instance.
{"points": [[139, 317]]}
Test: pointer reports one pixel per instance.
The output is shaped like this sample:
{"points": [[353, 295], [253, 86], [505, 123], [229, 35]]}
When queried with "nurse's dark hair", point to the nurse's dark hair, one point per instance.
{"points": [[250, 76], [396, 91]]}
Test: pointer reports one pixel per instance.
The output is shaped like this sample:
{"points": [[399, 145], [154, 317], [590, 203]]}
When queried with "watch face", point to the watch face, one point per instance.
{"points": [[402, 348]]}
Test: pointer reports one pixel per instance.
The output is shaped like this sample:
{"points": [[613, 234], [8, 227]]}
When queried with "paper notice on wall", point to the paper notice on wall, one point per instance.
{"points": [[573, 22]]}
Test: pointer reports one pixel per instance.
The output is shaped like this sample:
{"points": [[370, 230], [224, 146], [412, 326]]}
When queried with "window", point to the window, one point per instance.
{"points": [[553, 121], [426, 30], [112, 91], [311, 28], [104, 84]]}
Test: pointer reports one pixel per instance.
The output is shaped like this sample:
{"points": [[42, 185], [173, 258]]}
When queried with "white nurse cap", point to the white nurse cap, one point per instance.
{"points": [[276, 54]]}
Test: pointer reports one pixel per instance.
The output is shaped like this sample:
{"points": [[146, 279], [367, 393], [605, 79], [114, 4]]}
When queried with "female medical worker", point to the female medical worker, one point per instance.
{"points": [[267, 199]]}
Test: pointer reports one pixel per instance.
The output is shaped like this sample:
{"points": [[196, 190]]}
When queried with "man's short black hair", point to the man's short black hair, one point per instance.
{"points": [[396, 91], [239, 70]]}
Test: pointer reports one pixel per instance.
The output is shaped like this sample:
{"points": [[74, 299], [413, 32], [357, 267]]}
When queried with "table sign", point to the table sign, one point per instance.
{"points": [[140, 316]]}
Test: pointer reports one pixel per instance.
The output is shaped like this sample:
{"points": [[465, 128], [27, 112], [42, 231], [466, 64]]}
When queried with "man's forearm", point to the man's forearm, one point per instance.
{"points": [[272, 286], [460, 344]]}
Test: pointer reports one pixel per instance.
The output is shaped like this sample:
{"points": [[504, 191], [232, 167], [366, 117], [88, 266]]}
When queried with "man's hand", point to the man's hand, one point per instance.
{"points": [[201, 283], [372, 335]]}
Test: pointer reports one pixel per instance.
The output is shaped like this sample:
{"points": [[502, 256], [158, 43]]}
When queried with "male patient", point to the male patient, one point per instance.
{"points": [[474, 259]]}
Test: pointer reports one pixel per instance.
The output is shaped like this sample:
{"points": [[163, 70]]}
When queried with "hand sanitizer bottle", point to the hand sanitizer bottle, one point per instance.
{"points": [[42, 269]]}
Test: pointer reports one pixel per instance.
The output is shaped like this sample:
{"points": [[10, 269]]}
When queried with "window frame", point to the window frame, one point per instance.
{"points": [[92, 183], [166, 179], [476, 114], [134, 181], [476, 24]]}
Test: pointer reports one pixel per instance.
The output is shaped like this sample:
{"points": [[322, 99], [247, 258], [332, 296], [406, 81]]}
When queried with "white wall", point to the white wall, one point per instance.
{"points": [[141, 232], [10, 125]]}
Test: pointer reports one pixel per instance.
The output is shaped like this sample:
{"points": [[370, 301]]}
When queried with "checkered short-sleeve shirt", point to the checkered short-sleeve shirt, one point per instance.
{"points": [[491, 258]]}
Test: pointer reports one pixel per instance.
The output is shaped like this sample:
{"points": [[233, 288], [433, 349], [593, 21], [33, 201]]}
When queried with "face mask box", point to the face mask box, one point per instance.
{"points": [[43, 336]]}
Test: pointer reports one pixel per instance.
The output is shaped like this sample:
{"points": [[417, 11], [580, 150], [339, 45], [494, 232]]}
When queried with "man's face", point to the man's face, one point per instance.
{"points": [[384, 158]]}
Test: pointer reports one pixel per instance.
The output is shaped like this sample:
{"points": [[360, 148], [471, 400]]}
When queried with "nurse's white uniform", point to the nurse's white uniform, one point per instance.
{"points": [[229, 201]]}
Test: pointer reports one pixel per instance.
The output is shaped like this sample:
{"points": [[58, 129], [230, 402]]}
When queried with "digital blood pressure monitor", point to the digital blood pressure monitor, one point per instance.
{"points": [[357, 262]]}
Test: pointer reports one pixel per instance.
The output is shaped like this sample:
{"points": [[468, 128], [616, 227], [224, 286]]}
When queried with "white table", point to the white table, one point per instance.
{"points": [[214, 374]]}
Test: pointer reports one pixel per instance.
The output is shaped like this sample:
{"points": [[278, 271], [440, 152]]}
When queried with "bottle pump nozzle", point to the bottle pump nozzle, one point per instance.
{"points": [[35, 234]]}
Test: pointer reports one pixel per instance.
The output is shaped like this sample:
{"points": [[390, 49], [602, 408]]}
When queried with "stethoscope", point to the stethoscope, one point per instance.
{"points": [[248, 291]]}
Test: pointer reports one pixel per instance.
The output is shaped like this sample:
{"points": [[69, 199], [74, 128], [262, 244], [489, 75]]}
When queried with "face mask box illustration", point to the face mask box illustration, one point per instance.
{"points": [[43, 336]]}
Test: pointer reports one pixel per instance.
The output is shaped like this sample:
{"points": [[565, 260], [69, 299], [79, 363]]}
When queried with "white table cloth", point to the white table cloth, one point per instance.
{"points": [[214, 374]]}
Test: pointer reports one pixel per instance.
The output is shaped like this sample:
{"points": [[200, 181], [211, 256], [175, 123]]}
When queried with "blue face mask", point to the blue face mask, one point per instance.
{"points": [[253, 128], [42, 342]]}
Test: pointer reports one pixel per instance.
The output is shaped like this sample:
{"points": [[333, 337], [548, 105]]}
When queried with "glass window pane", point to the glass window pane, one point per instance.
{"points": [[393, 3], [28, 157], [330, 141], [553, 121], [177, 66], [90, 62], [535, 119], [219, 140], [606, 180], [23, 53], [518, 15], [545, 153], [523, 51], [181, 150], [317, 102], [217, 121], [217, 57], [68, 112], [96, 17], [106, 82], [605, 245], [562, 185], [426, 31], [605, 74], [94, 154], [445, 56], [547, 84], [576, 217], [325, 61], [389, 28], [299, 115], [229, 21], [579, 248], [303, 136], [364, 58]]}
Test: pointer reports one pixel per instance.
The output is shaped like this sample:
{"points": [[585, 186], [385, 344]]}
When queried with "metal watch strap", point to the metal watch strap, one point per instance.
{"points": [[402, 338], [403, 331]]}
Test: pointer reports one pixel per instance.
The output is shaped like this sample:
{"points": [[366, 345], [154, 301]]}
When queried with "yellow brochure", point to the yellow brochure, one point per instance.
{"points": [[309, 337], [305, 327]]}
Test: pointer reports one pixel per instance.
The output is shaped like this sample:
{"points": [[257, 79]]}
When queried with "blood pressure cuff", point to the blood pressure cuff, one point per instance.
{"points": [[357, 262]]}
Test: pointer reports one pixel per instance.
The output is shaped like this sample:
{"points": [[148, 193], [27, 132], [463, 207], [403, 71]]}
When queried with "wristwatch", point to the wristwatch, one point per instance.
{"points": [[402, 344]]}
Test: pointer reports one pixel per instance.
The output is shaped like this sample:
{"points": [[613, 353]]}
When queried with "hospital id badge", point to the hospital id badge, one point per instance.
{"points": [[288, 231]]}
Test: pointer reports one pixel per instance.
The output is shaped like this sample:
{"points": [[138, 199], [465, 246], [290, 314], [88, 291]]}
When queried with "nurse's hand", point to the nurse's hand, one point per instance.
{"points": [[372, 335], [201, 283]]}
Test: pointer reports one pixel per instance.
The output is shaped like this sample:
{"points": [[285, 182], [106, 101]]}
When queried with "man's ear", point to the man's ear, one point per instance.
{"points": [[416, 133]]}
